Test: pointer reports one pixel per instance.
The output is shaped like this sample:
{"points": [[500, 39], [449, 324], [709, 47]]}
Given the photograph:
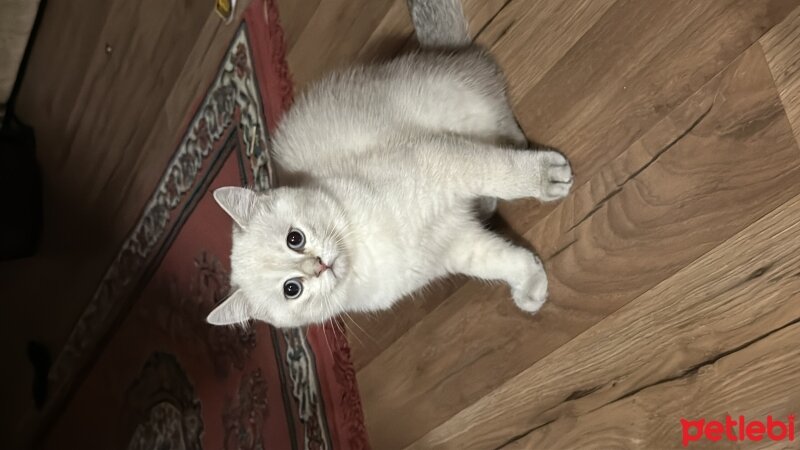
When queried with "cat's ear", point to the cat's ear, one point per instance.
{"points": [[237, 202], [232, 310]]}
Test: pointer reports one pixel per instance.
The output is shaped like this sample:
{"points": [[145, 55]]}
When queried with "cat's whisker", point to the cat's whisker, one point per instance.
{"points": [[327, 344], [351, 332], [346, 315], [330, 312], [342, 328], [339, 325], [327, 341], [329, 228], [354, 322], [339, 243]]}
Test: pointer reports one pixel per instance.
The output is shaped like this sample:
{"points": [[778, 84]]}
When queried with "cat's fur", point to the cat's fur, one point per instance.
{"points": [[391, 166]]}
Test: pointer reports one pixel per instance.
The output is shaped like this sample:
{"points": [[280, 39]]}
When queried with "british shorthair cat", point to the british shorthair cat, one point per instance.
{"points": [[389, 169]]}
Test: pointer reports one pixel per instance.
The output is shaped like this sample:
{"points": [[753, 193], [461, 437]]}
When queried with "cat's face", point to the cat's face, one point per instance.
{"points": [[290, 257]]}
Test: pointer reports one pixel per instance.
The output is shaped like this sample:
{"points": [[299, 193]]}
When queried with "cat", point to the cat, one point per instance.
{"points": [[387, 171]]}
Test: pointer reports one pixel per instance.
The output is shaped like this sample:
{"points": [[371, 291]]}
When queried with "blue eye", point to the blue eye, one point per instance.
{"points": [[296, 240], [292, 288]]}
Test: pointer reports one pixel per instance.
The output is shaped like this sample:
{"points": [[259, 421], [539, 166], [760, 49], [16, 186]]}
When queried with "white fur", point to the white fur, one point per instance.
{"points": [[383, 166]]}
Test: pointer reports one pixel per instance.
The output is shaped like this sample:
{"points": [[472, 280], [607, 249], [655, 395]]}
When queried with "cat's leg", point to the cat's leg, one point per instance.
{"points": [[485, 207], [484, 75], [482, 254], [461, 92], [508, 133], [511, 134], [474, 169]]}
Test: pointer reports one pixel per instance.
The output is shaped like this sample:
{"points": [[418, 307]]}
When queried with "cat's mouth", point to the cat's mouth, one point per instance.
{"points": [[332, 267]]}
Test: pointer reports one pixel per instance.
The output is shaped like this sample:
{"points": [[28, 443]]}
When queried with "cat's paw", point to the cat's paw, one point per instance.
{"points": [[555, 176], [531, 295]]}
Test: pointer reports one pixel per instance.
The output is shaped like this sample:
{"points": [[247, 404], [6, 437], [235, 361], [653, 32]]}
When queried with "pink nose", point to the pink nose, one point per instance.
{"points": [[321, 267]]}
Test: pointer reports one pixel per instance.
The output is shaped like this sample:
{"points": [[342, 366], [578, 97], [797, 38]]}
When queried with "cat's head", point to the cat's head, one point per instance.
{"points": [[290, 258]]}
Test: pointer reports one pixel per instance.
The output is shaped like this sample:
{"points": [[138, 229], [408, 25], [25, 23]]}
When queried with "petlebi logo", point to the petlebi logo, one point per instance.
{"points": [[738, 429]]}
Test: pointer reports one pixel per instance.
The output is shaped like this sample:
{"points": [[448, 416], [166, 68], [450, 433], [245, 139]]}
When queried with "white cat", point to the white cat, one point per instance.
{"points": [[387, 171]]}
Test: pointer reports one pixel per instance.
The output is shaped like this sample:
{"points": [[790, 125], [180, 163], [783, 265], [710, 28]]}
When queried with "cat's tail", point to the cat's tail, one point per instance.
{"points": [[439, 23]]}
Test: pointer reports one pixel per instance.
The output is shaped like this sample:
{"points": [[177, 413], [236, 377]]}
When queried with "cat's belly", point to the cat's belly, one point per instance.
{"points": [[408, 248]]}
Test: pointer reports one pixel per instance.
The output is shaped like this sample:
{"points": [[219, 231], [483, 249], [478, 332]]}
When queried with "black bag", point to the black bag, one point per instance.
{"points": [[21, 190], [20, 179]]}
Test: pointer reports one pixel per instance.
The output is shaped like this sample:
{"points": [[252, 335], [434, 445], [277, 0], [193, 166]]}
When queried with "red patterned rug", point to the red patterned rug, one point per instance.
{"points": [[142, 369]]}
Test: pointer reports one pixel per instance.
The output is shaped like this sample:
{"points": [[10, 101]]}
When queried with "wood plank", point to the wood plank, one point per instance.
{"points": [[618, 80], [782, 49], [334, 33], [395, 32], [733, 296], [529, 37], [390, 36], [295, 17], [370, 334], [757, 381], [480, 13], [337, 30], [708, 182]]}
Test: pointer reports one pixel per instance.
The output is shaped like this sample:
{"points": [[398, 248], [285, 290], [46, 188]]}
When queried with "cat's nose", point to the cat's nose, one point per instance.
{"points": [[313, 266], [320, 267]]}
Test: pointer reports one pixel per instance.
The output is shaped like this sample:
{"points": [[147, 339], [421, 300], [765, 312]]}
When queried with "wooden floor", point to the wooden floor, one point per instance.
{"points": [[675, 263]]}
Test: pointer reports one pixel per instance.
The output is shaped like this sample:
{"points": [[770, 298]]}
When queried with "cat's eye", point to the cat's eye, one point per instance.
{"points": [[295, 240], [292, 288]]}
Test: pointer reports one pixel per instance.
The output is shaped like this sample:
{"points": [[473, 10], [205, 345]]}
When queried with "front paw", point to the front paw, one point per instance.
{"points": [[531, 294], [555, 176]]}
